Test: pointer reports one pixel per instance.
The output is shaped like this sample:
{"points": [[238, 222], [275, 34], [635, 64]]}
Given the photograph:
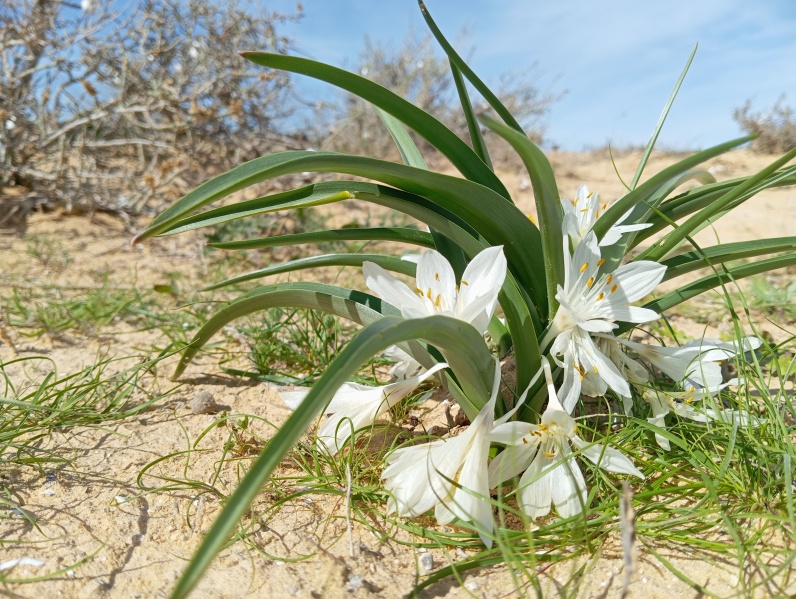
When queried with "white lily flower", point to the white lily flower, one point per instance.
{"points": [[592, 301], [436, 291], [694, 364], [449, 475], [355, 407], [405, 365], [581, 213], [543, 452]]}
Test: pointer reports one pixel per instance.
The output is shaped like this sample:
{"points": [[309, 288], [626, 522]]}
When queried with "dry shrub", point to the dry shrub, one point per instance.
{"points": [[776, 127], [120, 106]]}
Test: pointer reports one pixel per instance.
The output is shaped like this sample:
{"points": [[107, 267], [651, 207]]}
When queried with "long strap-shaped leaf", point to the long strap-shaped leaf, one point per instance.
{"points": [[479, 146], [674, 239], [725, 252], [388, 262], [696, 199], [460, 344], [437, 134], [548, 204], [500, 222], [459, 62], [643, 191], [393, 234], [686, 292], [410, 156]]}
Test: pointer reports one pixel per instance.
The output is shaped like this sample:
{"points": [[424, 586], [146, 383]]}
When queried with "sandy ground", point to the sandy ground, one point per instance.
{"points": [[106, 533]]}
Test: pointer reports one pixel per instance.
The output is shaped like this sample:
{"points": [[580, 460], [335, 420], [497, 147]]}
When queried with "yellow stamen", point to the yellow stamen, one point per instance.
{"points": [[584, 267], [532, 219], [549, 454], [595, 369], [590, 282], [590, 194], [436, 301], [601, 261], [609, 279], [575, 202], [584, 209], [465, 282], [614, 288], [524, 441], [428, 293], [605, 205], [419, 291], [543, 427], [599, 297], [436, 276]]}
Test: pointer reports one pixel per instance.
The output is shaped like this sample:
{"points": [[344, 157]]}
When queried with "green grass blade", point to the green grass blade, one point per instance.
{"points": [[661, 120], [388, 262], [410, 154], [726, 252], [708, 214], [548, 204], [392, 234], [649, 187], [459, 62], [462, 347], [479, 146], [437, 134]]}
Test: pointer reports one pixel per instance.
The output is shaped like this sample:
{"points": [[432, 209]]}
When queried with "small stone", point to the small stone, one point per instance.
{"points": [[426, 562], [203, 403], [471, 585], [354, 583]]}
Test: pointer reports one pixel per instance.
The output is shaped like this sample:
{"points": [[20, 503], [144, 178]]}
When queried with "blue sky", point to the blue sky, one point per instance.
{"points": [[616, 60]]}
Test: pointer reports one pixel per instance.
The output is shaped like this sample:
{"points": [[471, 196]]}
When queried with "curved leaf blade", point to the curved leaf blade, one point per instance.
{"points": [[392, 234]]}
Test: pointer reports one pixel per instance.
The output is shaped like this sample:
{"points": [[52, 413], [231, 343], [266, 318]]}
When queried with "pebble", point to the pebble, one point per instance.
{"points": [[426, 562], [203, 403], [471, 585]]}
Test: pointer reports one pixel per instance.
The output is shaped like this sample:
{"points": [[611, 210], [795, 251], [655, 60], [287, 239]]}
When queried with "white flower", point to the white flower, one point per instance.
{"points": [[581, 213], [436, 291], [543, 452], [664, 402], [405, 365], [449, 475], [355, 407], [591, 301], [694, 364]]}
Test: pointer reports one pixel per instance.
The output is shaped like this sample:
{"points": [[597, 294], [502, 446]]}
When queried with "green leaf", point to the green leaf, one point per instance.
{"points": [[356, 306], [437, 134], [649, 187], [726, 252], [410, 155], [496, 219], [394, 234], [452, 337], [675, 238], [728, 275], [661, 120], [472, 123], [388, 262], [548, 204], [459, 62]]}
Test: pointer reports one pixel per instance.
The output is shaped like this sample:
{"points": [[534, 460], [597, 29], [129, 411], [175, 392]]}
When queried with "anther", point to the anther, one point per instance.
{"points": [[436, 276], [428, 293], [584, 267], [465, 282], [599, 297], [609, 279], [614, 288], [590, 282], [601, 261]]}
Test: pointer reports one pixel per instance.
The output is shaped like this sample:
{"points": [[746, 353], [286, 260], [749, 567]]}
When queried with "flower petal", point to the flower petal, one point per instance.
{"points": [[436, 280], [607, 458], [480, 285], [391, 290]]}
